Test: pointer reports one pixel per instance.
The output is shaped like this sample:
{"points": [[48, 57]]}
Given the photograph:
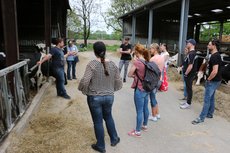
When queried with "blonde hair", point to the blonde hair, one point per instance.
{"points": [[156, 47], [140, 49]]}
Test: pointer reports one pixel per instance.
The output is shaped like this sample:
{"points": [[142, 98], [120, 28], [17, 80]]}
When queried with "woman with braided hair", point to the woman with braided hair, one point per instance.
{"points": [[100, 81]]}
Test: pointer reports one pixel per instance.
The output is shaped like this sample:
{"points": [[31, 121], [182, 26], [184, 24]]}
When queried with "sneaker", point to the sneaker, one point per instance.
{"points": [[197, 121], [182, 103], [158, 116], [134, 133], [96, 148], [185, 106], [209, 116], [153, 118], [66, 96], [184, 98], [144, 128], [116, 142]]}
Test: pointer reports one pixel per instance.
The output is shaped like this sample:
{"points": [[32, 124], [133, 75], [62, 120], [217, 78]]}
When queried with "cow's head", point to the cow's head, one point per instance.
{"points": [[40, 47]]}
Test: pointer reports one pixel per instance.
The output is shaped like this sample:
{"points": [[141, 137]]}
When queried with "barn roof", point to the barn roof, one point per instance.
{"points": [[200, 11]]}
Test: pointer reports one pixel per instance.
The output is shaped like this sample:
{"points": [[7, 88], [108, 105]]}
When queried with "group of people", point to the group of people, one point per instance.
{"points": [[58, 56], [213, 73], [100, 96]]}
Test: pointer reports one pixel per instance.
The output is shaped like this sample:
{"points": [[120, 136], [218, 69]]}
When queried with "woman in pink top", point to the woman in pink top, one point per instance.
{"points": [[137, 72], [160, 61]]}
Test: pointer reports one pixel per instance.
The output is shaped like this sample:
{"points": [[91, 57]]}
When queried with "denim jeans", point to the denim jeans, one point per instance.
{"points": [[185, 92], [153, 100], [209, 99], [60, 80], [141, 104], [71, 66], [101, 108], [126, 65]]}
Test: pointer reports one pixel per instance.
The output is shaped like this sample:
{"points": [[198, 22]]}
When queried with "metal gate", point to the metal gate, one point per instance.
{"points": [[14, 95]]}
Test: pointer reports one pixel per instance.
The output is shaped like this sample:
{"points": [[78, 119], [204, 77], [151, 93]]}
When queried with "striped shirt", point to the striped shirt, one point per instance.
{"points": [[95, 82]]}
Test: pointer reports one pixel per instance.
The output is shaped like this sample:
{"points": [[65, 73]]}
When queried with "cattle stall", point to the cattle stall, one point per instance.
{"points": [[23, 25]]}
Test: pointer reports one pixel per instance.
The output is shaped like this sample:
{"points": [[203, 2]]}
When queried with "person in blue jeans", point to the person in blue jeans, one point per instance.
{"points": [[100, 81], [72, 55], [57, 55], [140, 95], [213, 82]]}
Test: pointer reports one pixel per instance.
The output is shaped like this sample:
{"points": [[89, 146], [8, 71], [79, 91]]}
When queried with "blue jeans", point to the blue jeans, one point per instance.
{"points": [[60, 80], [185, 91], [153, 100], [126, 65], [209, 99], [71, 66], [101, 108], [141, 104]]}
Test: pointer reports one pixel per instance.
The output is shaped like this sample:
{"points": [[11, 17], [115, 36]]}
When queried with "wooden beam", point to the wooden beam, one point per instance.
{"points": [[47, 6], [10, 30]]}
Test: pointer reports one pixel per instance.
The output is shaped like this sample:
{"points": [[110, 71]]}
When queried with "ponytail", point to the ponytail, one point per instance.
{"points": [[146, 54], [99, 50], [103, 63]]}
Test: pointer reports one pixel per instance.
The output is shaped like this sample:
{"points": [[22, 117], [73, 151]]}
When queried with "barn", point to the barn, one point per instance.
{"points": [[24, 23], [173, 21], [28, 23]]}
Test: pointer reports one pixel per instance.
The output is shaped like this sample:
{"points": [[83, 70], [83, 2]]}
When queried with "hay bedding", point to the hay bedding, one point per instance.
{"points": [[222, 98], [60, 126]]}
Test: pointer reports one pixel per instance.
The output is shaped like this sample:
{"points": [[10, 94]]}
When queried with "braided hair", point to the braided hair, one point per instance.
{"points": [[100, 50]]}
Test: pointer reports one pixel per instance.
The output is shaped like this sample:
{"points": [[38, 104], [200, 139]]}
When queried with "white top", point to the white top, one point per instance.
{"points": [[165, 54]]}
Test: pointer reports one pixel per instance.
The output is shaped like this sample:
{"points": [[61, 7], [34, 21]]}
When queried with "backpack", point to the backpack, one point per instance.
{"points": [[151, 77]]}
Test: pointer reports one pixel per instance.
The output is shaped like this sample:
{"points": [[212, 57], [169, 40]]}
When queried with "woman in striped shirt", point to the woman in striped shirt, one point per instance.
{"points": [[100, 81]]}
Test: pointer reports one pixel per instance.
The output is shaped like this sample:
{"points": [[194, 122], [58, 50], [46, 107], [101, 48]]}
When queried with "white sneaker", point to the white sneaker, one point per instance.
{"points": [[182, 103], [185, 106], [153, 118], [158, 116]]}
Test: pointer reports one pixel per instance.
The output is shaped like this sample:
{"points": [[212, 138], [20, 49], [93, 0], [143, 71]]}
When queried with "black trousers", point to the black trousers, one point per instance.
{"points": [[188, 82]]}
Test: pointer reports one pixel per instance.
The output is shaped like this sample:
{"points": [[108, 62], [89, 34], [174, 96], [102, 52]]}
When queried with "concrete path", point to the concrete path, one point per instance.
{"points": [[173, 133]]}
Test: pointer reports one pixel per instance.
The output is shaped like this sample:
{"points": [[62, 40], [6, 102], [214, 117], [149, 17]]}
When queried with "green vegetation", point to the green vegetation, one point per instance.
{"points": [[212, 30], [112, 48]]}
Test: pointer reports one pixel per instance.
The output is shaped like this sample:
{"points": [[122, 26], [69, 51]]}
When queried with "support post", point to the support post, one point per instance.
{"points": [[10, 30], [183, 29], [133, 29], [221, 30], [150, 34], [47, 6], [197, 33]]}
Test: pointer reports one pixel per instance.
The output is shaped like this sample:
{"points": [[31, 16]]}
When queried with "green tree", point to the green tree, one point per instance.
{"points": [[74, 26], [212, 29], [118, 8]]}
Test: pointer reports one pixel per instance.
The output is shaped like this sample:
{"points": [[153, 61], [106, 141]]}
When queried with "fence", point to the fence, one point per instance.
{"points": [[14, 95]]}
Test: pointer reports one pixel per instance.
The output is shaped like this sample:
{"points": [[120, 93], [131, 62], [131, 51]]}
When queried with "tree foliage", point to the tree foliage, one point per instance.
{"points": [[212, 30], [84, 10], [118, 8], [74, 25]]}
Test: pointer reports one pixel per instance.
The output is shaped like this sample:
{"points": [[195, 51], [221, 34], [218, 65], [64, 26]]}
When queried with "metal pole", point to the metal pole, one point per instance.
{"points": [[183, 28], [150, 35], [133, 29], [221, 30]]}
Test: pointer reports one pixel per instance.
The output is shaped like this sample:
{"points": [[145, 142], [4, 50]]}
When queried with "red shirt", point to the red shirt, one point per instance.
{"points": [[140, 70]]}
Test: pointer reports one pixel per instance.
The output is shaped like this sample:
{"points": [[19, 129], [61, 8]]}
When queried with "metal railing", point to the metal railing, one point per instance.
{"points": [[14, 95]]}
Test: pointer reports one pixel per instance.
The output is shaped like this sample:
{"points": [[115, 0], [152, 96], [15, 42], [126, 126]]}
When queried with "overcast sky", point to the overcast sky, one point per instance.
{"points": [[98, 21]]}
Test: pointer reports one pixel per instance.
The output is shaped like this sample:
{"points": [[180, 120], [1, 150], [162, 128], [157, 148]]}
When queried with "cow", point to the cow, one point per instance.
{"points": [[2, 60]]}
